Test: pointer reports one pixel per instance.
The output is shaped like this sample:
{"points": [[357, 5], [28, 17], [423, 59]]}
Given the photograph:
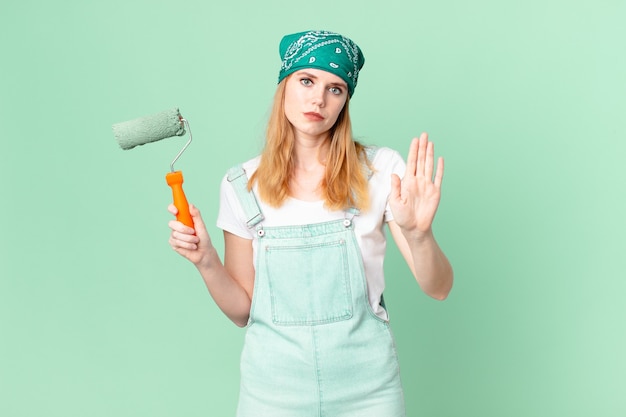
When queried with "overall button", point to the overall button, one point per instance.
{"points": [[347, 222]]}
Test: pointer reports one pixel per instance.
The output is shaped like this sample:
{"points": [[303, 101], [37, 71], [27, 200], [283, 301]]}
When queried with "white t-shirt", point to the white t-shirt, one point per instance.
{"points": [[368, 225]]}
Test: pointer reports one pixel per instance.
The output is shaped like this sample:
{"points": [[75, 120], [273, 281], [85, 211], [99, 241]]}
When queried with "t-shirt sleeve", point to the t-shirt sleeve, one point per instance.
{"points": [[231, 216], [394, 164]]}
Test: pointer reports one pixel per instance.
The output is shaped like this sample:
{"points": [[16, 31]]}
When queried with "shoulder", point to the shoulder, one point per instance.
{"points": [[248, 167], [386, 160], [233, 216], [235, 180], [383, 154], [251, 165]]}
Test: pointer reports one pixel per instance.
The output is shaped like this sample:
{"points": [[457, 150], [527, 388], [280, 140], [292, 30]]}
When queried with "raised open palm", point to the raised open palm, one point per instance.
{"points": [[415, 198]]}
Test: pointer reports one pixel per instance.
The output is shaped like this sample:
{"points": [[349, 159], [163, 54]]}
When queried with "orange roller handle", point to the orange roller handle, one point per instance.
{"points": [[175, 180]]}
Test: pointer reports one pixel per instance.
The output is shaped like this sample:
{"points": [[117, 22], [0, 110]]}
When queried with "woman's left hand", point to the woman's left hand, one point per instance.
{"points": [[415, 198]]}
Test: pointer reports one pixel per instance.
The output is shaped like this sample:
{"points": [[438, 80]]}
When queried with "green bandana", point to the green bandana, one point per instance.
{"points": [[323, 50]]}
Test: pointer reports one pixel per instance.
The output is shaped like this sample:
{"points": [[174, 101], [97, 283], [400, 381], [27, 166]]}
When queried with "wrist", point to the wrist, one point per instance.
{"points": [[207, 260], [418, 237]]}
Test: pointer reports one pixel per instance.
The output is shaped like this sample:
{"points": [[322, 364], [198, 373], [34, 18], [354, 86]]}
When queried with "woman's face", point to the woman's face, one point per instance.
{"points": [[313, 101]]}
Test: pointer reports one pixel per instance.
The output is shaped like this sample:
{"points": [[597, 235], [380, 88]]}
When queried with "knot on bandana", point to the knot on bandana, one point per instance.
{"points": [[323, 50]]}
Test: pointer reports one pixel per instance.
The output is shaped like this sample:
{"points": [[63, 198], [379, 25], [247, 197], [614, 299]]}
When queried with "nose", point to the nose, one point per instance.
{"points": [[318, 94]]}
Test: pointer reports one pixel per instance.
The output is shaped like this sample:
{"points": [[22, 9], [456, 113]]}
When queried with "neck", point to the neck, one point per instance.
{"points": [[309, 158], [310, 153]]}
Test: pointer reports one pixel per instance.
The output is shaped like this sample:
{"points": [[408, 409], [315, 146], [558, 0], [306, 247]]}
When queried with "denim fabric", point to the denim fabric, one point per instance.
{"points": [[313, 346]]}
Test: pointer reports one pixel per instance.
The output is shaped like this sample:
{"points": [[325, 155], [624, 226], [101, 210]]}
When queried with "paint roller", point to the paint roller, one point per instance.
{"points": [[152, 128]]}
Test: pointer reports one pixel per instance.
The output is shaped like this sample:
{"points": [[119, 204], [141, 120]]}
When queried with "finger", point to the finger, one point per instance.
{"points": [[411, 160], [172, 209], [421, 154], [178, 244], [182, 232], [430, 160], [439, 173], [177, 226]]}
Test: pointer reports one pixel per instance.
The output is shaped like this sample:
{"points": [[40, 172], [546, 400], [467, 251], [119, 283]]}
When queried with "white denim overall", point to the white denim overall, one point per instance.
{"points": [[313, 346]]}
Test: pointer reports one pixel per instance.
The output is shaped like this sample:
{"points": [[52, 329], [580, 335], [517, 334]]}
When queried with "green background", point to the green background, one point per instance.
{"points": [[524, 99]]}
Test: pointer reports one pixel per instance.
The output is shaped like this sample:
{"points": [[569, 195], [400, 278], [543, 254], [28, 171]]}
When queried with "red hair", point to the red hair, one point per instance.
{"points": [[345, 181]]}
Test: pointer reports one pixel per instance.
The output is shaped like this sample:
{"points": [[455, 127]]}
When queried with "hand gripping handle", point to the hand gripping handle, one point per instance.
{"points": [[175, 180]]}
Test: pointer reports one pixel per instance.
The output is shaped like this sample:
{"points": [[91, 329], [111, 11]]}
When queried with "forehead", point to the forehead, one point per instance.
{"points": [[325, 76]]}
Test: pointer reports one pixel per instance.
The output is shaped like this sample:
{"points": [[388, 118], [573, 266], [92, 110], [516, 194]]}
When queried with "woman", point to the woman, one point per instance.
{"points": [[304, 245]]}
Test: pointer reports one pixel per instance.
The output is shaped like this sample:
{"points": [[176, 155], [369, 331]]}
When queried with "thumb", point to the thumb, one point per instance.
{"points": [[198, 222], [395, 188]]}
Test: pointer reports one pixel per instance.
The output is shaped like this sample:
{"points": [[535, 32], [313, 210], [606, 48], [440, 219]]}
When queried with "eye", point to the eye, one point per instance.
{"points": [[335, 90], [306, 82]]}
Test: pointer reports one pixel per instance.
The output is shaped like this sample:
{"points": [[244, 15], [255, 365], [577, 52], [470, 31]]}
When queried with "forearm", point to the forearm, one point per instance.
{"points": [[227, 293], [429, 265]]}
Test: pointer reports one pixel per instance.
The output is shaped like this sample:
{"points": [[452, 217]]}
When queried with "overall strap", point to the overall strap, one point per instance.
{"points": [[370, 151], [239, 180]]}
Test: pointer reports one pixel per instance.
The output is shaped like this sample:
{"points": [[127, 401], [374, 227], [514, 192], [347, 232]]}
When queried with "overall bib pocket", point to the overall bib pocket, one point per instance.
{"points": [[309, 283]]}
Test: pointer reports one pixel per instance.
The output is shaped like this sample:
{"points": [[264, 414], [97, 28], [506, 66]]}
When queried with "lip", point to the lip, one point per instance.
{"points": [[313, 116]]}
